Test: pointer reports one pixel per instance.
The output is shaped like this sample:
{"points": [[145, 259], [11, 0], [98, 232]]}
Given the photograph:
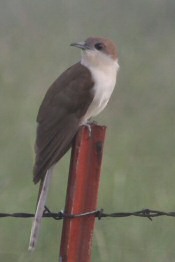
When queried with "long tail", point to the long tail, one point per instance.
{"points": [[39, 211]]}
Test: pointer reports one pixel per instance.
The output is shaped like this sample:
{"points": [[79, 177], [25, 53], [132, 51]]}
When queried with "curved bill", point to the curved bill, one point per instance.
{"points": [[81, 45]]}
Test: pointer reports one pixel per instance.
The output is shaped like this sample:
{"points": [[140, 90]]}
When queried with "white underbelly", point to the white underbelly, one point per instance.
{"points": [[102, 92], [98, 104]]}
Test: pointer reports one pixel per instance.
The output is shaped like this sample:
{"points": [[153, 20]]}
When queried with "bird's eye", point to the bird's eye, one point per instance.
{"points": [[99, 46]]}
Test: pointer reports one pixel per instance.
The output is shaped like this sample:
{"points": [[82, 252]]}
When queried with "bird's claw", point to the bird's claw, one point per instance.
{"points": [[89, 126]]}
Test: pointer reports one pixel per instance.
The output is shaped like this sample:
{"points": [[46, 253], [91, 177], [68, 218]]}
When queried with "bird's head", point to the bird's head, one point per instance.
{"points": [[98, 51]]}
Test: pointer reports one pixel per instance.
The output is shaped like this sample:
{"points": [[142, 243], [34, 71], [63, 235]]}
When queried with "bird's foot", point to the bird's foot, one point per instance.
{"points": [[89, 129], [88, 124]]}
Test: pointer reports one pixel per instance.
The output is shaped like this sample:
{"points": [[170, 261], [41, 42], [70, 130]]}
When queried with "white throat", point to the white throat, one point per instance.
{"points": [[104, 73]]}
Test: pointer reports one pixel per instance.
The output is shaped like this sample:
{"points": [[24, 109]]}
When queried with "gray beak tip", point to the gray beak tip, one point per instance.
{"points": [[81, 45], [72, 44]]}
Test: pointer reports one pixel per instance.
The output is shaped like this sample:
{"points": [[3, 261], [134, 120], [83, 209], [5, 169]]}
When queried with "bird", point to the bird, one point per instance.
{"points": [[78, 94]]}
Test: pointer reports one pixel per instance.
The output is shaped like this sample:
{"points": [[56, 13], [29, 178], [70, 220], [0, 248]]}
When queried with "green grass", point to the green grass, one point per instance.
{"points": [[138, 167]]}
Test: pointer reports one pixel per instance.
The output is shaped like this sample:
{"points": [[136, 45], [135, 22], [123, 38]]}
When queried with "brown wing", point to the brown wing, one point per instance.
{"points": [[59, 116]]}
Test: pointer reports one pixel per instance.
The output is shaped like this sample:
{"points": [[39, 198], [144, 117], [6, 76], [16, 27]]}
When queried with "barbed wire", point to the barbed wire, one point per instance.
{"points": [[146, 213]]}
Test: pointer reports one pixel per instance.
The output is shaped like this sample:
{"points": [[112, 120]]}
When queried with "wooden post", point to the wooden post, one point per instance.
{"points": [[82, 194]]}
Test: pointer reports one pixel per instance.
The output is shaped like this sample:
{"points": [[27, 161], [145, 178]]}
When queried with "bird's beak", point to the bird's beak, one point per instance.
{"points": [[81, 45]]}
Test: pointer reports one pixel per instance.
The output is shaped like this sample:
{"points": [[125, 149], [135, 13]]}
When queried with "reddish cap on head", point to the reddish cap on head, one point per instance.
{"points": [[100, 44]]}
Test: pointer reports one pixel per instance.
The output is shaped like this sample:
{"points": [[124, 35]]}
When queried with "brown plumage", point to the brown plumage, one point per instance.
{"points": [[59, 117], [80, 93], [107, 46]]}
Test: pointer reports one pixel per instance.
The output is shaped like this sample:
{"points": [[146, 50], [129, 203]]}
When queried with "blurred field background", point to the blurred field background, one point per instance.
{"points": [[139, 158]]}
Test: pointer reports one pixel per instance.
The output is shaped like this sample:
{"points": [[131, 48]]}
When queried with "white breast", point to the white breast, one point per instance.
{"points": [[105, 81]]}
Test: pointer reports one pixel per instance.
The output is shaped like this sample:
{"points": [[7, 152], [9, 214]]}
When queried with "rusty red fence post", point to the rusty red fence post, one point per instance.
{"points": [[82, 194]]}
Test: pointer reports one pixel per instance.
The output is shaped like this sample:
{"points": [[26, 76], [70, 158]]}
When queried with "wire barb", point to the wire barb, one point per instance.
{"points": [[145, 213]]}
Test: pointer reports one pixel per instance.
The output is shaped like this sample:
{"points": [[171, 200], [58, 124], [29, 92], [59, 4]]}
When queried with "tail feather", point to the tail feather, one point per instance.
{"points": [[39, 211]]}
